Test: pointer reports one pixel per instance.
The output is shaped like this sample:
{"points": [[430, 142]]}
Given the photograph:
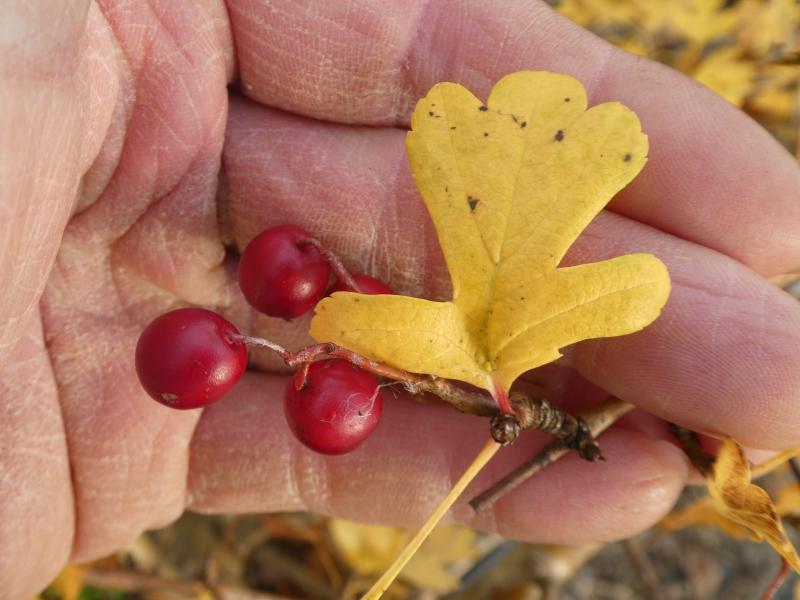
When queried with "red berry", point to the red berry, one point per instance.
{"points": [[186, 359], [367, 285], [337, 409], [280, 276]]}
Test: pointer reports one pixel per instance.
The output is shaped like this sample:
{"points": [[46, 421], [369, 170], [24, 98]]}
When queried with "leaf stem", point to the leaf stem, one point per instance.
{"points": [[483, 457], [501, 397]]}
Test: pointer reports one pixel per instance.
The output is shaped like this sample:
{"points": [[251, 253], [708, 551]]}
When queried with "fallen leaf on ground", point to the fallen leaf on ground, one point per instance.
{"points": [[739, 507], [69, 582]]}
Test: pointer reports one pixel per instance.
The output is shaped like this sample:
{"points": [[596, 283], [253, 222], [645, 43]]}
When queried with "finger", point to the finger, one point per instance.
{"points": [[148, 241], [46, 127], [721, 358], [244, 458], [52, 124], [714, 176], [36, 509]]}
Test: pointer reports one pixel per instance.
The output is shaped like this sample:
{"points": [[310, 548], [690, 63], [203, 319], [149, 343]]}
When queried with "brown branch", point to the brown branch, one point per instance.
{"points": [[777, 581], [529, 412], [690, 443], [597, 420]]}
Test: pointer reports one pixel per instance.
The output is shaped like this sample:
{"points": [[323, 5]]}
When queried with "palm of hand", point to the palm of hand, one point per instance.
{"points": [[89, 460]]}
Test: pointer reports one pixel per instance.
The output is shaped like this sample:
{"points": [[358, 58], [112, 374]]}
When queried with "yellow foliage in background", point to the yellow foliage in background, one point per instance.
{"points": [[748, 51], [370, 549]]}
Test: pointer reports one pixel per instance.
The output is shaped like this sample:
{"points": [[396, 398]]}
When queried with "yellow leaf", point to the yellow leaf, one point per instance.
{"points": [[593, 12], [765, 26], [367, 549], [69, 582], [773, 463], [745, 503], [430, 568], [727, 74], [775, 96], [509, 186], [698, 20], [371, 549], [788, 501], [704, 512]]}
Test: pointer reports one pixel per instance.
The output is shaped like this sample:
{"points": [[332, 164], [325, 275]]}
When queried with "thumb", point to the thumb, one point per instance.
{"points": [[44, 134]]}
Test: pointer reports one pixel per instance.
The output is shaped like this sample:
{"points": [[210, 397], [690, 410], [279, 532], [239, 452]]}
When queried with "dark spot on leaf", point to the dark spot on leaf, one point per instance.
{"points": [[566, 99], [514, 118], [360, 414], [627, 157], [523, 125], [430, 113], [473, 202], [522, 298], [483, 108], [559, 135], [485, 134], [446, 189], [453, 127], [430, 340], [356, 300]]}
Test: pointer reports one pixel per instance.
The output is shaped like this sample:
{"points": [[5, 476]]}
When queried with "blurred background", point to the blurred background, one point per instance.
{"points": [[748, 51]]}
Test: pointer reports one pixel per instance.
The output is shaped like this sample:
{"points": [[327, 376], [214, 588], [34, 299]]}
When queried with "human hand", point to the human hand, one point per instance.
{"points": [[115, 122]]}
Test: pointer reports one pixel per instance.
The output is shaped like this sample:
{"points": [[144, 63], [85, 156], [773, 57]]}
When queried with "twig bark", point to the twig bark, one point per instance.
{"points": [[598, 419], [700, 459], [777, 581], [529, 412]]}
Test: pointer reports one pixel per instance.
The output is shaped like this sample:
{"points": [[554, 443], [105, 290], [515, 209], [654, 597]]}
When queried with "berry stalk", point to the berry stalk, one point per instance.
{"points": [[337, 266]]}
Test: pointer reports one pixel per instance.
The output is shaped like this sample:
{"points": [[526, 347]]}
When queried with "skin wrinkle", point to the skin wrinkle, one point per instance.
{"points": [[557, 45], [165, 242], [403, 98], [128, 463], [609, 246], [50, 571], [89, 233]]}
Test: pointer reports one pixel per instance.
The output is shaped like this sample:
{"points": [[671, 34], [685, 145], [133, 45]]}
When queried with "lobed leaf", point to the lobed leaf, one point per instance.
{"points": [[746, 504], [510, 185]]}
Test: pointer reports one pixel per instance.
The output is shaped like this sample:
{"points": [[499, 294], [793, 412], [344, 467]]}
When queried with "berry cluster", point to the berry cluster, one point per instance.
{"points": [[191, 357]]}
